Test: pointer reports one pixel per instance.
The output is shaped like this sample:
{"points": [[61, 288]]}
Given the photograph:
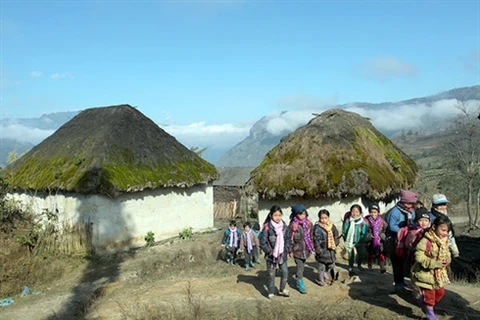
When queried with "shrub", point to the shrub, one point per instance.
{"points": [[150, 239], [186, 233]]}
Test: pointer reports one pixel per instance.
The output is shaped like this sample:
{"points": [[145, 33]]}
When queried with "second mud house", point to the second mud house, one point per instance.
{"points": [[336, 160]]}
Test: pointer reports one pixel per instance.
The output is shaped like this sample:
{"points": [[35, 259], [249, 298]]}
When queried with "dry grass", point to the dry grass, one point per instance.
{"points": [[21, 268], [192, 259]]}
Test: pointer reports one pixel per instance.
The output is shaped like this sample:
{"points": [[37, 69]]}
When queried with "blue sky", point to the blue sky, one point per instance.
{"points": [[219, 63]]}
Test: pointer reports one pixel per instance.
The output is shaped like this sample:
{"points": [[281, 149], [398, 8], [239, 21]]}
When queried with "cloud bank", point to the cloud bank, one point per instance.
{"points": [[23, 133], [200, 134]]}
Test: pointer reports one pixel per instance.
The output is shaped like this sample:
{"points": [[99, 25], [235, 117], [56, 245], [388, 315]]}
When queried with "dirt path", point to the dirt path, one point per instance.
{"points": [[183, 278]]}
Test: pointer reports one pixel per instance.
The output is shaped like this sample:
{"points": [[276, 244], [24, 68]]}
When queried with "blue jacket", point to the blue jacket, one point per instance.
{"points": [[226, 238], [396, 219]]}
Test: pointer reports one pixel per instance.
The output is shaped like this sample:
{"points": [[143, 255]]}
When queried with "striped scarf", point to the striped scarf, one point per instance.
{"points": [[440, 274], [375, 224], [328, 229], [306, 233]]}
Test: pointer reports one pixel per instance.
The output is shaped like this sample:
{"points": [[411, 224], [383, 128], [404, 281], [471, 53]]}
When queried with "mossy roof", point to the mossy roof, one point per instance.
{"points": [[109, 150], [337, 154]]}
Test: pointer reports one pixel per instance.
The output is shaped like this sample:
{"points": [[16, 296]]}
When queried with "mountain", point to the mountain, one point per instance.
{"points": [[30, 130], [50, 121], [251, 151]]}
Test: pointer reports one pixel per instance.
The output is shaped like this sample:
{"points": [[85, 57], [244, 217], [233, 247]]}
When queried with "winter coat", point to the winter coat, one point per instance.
{"points": [[296, 233], [322, 253], [382, 233], [360, 232], [254, 239], [397, 219], [452, 243], [226, 239], [268, 239], [425, 263]]}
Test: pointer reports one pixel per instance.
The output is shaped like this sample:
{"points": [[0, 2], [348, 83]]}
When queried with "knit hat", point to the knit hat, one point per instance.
{"points": [[421, 213], [296, 209], [408, 196], [374, 206], [439, 199]]}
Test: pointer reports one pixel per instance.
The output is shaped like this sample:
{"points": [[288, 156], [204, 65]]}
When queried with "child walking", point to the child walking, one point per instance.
{"points": [[354, 232], [326, 238], [300, 231], [274, 242], [231, 241], [429, 273], [256, 228], [249, 244], [408, 238], [375, 244]]}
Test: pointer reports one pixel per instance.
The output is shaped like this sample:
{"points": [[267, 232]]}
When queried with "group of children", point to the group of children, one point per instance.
{"points": [[421, 246]]}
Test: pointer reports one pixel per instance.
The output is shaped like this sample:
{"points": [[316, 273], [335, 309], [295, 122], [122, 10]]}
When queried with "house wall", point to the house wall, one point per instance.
{"points": [[337, 208], [125, 220]]}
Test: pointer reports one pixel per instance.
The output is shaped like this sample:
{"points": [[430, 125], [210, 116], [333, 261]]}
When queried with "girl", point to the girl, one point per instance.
{"points": [[231, 241], [354, 232], [377, 228], [274, 242], [258, 231], [429, 273], [300, 231], [249, 244], [408, 237], [325, 236]]}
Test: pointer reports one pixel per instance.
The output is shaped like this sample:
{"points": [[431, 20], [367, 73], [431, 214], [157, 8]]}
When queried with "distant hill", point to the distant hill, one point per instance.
{"points": [[250, 151], [46, 122]]}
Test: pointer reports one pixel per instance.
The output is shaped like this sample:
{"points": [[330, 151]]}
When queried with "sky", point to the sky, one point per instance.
{"points": [[207, 69]]}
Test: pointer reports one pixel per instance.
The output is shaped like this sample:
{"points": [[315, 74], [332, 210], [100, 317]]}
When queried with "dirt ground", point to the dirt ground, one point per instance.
{"points": [[185, 279]]}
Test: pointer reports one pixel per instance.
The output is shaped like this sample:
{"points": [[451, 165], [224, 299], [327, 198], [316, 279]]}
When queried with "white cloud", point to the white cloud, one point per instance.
{"points": [[35, 74], [199, 134], [288, 121], [409, 116], [382, 68], [57, 76], [23, 133]]}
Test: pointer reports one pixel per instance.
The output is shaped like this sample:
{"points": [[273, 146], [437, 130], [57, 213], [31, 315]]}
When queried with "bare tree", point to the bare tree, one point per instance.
{"points": [[464, 150]]}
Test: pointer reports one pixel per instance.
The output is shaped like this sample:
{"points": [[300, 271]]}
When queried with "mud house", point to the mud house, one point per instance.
{"points": [[336, 160], [230, 200], [115, 170]]}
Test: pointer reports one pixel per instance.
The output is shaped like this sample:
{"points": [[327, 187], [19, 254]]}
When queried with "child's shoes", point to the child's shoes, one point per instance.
{"points": [[284, 293]]}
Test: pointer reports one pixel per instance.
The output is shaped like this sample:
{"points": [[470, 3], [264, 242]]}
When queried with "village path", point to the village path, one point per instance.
{"points": [[152, 279]]}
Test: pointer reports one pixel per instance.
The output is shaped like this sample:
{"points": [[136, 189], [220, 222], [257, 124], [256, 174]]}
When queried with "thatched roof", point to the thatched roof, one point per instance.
{"points": [[233, 176], [109, 150], [336, 154]]}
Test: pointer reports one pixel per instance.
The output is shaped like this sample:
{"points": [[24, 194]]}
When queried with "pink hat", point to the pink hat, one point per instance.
{"points": [[408, 196]]}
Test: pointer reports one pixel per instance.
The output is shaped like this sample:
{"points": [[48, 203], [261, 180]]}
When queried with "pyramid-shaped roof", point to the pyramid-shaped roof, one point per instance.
{"points": [[109, 150], [337, 154]]}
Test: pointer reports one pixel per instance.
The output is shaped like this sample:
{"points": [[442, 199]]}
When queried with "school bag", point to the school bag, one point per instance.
{"points": [[400, 243]]}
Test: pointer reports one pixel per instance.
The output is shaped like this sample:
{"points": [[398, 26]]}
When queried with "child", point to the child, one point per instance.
{"points": [[274, 242], [376, 238], [325, 236], [249, 244], [231, 241], [429, 273], [354, 232], [258, 231], [413, 234], [300, 231]]}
